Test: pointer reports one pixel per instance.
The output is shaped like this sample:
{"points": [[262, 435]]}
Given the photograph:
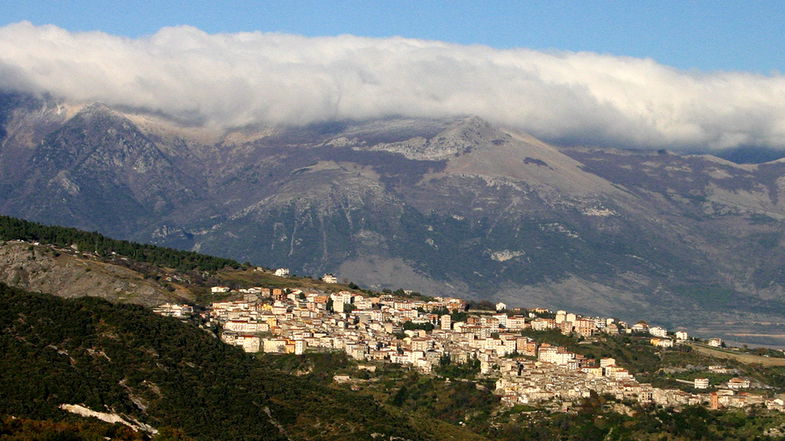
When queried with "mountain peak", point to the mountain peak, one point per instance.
{"points": [[470, 132], [455, 138], [96, 109]]}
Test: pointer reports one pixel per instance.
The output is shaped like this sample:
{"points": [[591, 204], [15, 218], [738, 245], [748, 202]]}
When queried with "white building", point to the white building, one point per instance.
{"points": [[501, 319], [174, 310], [701, 383], [299, 347], [501, 306], [219, 289], [681, 335], [516, 322], [554, 354], [249, 343], [275, 345], [715, 342], [246, 326], [282, 272], [658, 331], [541, 324], [329, 278], [738, 383], [605, 362]]}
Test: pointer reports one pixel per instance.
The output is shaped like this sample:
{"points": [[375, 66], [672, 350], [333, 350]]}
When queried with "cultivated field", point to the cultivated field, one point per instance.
{"points": [[738, 356]]}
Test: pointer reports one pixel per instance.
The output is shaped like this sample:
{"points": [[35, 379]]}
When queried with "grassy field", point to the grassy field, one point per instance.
{"points": [[248, 278], [738, 356]]}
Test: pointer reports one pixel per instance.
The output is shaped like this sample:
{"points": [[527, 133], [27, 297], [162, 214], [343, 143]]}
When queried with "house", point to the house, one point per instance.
{"points": [[174, 310], [565, 327], [738, 383], [715, 342], [445, 322], [501, 306], [658, 331], [607, 361], [661, 342], [554, 354], [584, 327], [541, 324], [701, 383], [593, 371], [681, 335], [274, 345], [516, 322], [282, 272], [526, 346], [249, 343], [220, 289], [329, 278]]}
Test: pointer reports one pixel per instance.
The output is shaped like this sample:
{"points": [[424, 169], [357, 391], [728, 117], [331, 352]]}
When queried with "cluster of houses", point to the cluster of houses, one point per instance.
{"points": [[174, 310], [425, 333]]}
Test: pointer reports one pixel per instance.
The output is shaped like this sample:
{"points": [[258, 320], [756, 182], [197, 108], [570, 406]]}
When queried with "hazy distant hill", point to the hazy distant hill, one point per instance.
{"points": [[441, 206]]}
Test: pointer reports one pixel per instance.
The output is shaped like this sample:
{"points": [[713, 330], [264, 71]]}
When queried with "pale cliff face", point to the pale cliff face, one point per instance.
{"points": [[64, 273]]}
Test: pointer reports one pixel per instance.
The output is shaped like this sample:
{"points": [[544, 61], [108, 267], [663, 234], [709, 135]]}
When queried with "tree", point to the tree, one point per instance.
{"points": [[171, 434]]}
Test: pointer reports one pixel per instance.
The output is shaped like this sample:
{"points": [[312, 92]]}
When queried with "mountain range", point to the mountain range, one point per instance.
{"points": [[442, 206]]}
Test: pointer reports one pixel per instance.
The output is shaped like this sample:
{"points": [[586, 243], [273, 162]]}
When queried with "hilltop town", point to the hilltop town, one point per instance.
{"points": [[425, 333]]}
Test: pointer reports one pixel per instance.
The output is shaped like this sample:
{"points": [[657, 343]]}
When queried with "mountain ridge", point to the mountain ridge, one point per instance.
{"points": [[690, 238]]}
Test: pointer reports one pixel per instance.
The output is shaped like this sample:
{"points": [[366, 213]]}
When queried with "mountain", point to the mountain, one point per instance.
{"points": [[751, 155], [453, 206]]}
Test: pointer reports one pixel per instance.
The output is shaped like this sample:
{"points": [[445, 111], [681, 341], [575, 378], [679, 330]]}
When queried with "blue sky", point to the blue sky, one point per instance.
{"points": [[702, 35]]}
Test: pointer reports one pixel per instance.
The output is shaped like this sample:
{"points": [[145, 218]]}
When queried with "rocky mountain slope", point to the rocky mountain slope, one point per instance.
{"points": [[441, 206], [42, 268]]}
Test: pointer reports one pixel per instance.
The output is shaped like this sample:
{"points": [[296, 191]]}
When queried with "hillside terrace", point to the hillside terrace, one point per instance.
{"points": [[424, 333]]}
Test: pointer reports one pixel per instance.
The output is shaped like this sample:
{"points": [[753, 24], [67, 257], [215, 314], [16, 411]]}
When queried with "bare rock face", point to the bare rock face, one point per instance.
{"points": [[454, 206], [41, 268], [455, 140]]}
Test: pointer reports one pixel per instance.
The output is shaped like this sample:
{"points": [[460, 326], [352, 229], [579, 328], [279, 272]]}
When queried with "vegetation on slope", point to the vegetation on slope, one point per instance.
{"points": [[447, 406], [25, 429], [123, 359], [597, 421], [184, 274], [18, 229]]}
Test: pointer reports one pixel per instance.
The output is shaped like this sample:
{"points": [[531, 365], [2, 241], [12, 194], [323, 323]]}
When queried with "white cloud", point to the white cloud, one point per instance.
{"points": [[228, 80]]}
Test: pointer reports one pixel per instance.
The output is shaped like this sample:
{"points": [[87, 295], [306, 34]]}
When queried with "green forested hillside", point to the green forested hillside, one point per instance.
{"points": [[12, 228], [159, 371]]}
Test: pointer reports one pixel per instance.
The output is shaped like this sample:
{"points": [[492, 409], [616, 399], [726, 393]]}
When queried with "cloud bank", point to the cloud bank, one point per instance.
{"points": [[232, 80]]}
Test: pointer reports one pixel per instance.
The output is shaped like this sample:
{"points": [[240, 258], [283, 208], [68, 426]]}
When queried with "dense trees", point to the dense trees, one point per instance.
{"points": [[25, 429], [124, 359], [13, 228]]}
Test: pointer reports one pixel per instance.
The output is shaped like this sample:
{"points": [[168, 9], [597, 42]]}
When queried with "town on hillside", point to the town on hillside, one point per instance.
{"points": [[422, 333]]}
